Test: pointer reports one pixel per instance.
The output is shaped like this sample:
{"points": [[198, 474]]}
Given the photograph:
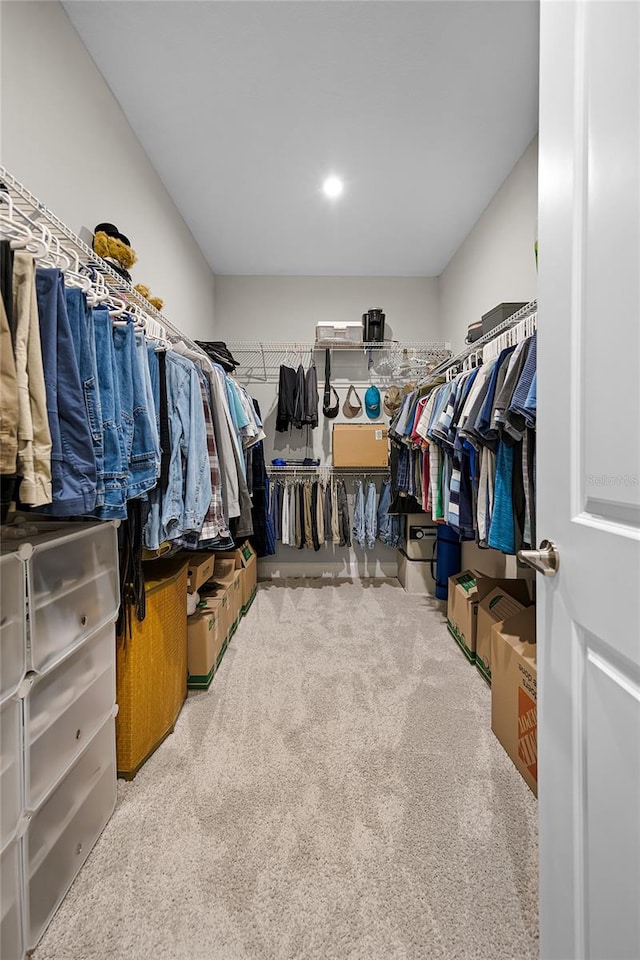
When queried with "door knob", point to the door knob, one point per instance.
{"points": [[546, 560]]}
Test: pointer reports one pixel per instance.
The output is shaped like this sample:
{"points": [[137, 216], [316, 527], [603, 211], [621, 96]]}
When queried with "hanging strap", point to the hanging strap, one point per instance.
{"points": [[328, 410]]}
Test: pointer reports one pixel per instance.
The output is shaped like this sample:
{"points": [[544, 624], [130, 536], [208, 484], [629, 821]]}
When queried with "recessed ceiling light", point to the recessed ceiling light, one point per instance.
{"points": [[332, 187]]}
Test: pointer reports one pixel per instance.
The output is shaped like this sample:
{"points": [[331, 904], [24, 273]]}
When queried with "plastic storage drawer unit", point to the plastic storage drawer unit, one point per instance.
{"points": [[10, 769], [13, 661], [63, 831], [73, 590], [64, 709], [12, 901]]}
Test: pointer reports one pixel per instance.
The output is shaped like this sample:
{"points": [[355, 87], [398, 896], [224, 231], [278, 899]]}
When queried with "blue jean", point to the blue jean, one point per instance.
{"points": [[370, 518], [388, 524], [83, 339], [139, 448], [73, 462], [150, 404], [154, 377], [358, 516], [182, 506], [115, 465]]}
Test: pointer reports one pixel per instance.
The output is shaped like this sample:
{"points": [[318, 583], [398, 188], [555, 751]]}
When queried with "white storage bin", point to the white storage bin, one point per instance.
{"points": [[12, 902], [73, 590], [64, 709], [12, 625], [333, 334], [64, 829], [10, 770]]}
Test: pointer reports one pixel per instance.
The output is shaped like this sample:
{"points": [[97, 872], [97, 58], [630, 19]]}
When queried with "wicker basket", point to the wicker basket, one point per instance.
{"points": [[152, 667]]}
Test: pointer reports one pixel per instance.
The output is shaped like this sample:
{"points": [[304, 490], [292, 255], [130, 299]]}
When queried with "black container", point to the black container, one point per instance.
{"points": [[498, 314], [373, 326]]}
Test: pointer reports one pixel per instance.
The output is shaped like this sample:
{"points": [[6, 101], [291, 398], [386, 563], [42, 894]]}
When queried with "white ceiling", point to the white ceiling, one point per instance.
{"points": [[244, 107]]}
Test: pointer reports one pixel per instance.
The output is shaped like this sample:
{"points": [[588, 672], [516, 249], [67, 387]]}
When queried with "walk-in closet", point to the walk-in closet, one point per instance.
{"points": [[319, 480]]}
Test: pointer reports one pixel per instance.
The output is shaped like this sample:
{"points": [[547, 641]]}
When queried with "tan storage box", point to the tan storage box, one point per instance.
{"points": [[245, 559], [466, 590], [219, 599], [497, 601], [151, 667], [462, 611], [514, 695], [235, 600], [225, 571], [360, 445], [201, 567], [204, 646]]}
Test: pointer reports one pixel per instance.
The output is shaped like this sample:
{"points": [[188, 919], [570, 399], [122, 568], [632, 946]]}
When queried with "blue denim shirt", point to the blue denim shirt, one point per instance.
{"points": [[187, 497]]}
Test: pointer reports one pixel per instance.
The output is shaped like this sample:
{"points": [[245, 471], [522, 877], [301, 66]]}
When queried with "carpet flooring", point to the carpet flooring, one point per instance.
{"points": [[337, 794]]}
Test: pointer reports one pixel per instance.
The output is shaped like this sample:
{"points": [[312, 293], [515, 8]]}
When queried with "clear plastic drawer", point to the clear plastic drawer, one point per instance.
{"points": [[64, 709], [13, 642], [12, 903], [63, 831], [10, 769], [73, 590]]}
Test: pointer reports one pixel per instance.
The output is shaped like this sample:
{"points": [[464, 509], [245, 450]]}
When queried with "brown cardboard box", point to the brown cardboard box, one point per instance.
{"points": [[462, 609], [466, 590], [514, 697], [225, 571], [497, 600], [204, 643], [201, 567], [235, 600], [245, 559], [360, 445], [217, 598]]}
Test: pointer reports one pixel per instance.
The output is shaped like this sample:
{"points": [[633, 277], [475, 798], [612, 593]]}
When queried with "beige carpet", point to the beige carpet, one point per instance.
{"points": [[336, 795]]}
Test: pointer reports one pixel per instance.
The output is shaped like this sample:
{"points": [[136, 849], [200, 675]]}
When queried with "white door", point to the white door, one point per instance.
{"points": [[589, 480]]}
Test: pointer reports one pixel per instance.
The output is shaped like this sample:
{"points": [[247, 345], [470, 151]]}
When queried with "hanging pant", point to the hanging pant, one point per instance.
{"points": [[344, 524], [370, 516], [358, 516]]}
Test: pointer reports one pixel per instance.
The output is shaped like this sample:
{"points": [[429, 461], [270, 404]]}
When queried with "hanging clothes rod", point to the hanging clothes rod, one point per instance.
{"points": [[335, 471], [34, 210], [515, 318]]}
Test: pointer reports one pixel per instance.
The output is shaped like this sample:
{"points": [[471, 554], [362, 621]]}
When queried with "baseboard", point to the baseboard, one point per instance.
{"points": [[358, 569]]}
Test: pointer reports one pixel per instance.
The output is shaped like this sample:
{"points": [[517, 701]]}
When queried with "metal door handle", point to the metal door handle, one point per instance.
{"points": [[546, 560]]}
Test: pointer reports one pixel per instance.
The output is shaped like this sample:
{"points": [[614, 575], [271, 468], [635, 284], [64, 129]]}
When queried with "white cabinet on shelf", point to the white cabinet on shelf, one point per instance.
{"points": [[60, 598]]}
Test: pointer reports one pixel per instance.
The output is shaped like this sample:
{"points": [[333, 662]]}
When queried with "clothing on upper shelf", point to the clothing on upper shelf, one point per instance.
{"points": [[464, 451]]}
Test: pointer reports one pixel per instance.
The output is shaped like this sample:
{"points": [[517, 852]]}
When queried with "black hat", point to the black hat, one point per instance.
{"points": [[112, 231]]}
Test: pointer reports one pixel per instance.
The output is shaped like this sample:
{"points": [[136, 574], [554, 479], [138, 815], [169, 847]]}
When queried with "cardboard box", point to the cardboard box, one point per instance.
{"points": [[235, 601], [245, 559], [360, 445], [225, 571], [514, 696], [204, 645], [462, 609], [217, 598], [466, 590], [497, 601], [200, 569]]}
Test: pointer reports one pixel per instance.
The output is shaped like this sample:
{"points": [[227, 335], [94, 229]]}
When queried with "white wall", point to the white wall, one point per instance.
{"points": [[66, 139], [496, 262], [288, 308]]}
